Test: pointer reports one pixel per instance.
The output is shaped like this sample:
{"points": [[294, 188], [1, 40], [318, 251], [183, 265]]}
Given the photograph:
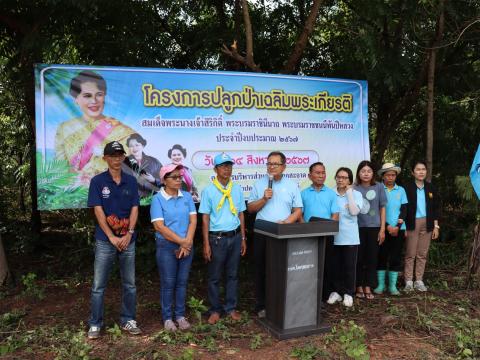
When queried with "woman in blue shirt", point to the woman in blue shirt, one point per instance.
{"points": [[423, 212], [174, 218], [345, 244]]}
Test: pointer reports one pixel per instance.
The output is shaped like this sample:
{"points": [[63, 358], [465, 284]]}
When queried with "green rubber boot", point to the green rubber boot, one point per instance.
{"points": [[392, 283], [381, 282]]}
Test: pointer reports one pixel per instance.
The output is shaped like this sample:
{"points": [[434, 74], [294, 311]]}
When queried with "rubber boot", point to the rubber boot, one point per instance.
{"points": [[381, 282], [392, 283]]}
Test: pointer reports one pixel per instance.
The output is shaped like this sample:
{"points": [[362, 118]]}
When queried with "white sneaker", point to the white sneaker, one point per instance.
{"points": [[420, 286], [333, 298], [408, 286], [347, 300]]}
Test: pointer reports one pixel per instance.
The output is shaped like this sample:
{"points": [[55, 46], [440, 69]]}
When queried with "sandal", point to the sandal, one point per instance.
{"points": [[369, 296], [360, 294]]}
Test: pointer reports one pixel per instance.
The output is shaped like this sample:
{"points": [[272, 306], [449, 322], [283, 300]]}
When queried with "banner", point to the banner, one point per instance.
{"points": [[475, 173], [188, 117]]}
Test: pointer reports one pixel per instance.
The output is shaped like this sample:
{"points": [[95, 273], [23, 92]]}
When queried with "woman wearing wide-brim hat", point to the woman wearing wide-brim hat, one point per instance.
{"points": [[390, 252]]}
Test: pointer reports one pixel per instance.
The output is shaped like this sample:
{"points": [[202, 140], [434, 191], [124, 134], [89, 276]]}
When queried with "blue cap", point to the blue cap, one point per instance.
{"points": [[222, 159]]}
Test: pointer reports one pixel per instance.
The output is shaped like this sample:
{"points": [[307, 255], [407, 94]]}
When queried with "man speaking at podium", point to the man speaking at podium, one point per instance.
{"points": [[274, 198]]}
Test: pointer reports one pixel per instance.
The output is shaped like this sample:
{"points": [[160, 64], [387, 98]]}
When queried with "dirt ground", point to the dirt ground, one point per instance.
{"points": [[45, 318]]}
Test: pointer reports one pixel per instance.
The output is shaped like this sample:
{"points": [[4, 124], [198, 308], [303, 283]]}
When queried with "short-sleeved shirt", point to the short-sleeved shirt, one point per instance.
{"points": [[347, 224], [396, 198], [374, 199], [319, 203], [421, 203], [286, 195], [115, 199], [175, 212], [223, 219]]}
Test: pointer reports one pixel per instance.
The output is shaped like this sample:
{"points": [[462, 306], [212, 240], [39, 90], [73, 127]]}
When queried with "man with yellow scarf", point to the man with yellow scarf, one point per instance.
{"points": [[223, 230]]}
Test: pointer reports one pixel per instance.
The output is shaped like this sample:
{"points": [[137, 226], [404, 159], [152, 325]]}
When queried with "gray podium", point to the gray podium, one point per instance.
{"points": [[295, 256]]}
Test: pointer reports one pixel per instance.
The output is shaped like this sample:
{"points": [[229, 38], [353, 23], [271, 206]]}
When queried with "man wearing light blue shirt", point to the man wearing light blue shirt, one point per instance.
{"points": [[321, 201], [223, 229], [281, 203]]}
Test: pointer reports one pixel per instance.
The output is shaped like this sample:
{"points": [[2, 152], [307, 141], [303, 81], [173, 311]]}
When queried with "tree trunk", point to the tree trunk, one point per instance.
{"points": [[4, 272], [297, 53], [430, 89]]}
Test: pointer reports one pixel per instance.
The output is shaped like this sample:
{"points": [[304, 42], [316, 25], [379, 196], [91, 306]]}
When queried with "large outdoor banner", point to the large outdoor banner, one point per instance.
{"points": [[188, 117]]}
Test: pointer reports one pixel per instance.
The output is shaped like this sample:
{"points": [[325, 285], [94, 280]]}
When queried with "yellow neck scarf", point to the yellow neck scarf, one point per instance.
{"points": [[227, 194]]}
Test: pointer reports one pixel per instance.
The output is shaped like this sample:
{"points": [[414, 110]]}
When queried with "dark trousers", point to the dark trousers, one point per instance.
{"points": [[367, 257], [344, 265], [259, 251], [390, 253], [329, 269]]}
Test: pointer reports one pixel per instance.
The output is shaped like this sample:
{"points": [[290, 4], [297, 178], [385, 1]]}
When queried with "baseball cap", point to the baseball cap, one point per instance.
{"points": [[112, 148], [167, 169], [222, 159]]}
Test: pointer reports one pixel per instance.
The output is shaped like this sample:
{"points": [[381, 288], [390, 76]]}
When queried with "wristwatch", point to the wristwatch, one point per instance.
{"points": [[131, 231]]}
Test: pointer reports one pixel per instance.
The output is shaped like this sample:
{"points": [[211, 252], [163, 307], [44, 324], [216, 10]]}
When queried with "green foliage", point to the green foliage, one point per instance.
{"points": [[256, 342], [307, 352], [9, 320], [31, 287], [56, 185], [76, 346], [197, 306], [351, 338], [115, 332]]}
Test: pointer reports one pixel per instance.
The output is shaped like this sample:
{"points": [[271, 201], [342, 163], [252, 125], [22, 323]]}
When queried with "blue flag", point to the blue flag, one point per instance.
{"points": [[475, 172]]}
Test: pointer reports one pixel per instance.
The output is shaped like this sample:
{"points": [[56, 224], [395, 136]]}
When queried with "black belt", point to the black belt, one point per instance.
{"points": [[225, 233]]}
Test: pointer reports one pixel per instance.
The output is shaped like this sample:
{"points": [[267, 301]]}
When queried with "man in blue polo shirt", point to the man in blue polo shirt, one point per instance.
{"points": [[274, 198], [321, 201], [114, 198], [223, 230], [390, 253]]}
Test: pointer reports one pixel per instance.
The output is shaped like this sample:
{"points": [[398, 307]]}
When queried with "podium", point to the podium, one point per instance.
{"points": [[295, 256]]}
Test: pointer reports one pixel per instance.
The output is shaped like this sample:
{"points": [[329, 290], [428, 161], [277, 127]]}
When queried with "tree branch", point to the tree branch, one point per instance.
{"points": [[297, 53]]}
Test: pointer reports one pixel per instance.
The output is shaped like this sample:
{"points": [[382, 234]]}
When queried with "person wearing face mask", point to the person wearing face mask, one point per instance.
{"points": [[80, 141], [423, 211], [371, 223]]}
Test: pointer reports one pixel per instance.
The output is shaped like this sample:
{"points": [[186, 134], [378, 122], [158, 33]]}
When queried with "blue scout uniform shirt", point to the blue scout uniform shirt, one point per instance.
{"points": [[421, 203], [175, 212], [222, 220], [396, 198], [118, 199], [321, 203], [286, 195], [347, 225]]}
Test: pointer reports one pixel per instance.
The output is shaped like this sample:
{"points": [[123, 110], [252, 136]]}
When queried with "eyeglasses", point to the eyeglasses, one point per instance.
{"points": [[175, 177], [274, 165]]}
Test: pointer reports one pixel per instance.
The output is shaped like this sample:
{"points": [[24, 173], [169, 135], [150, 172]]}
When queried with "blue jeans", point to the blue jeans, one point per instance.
{"points": [[225, 255], [173, 279], [105, 255]]}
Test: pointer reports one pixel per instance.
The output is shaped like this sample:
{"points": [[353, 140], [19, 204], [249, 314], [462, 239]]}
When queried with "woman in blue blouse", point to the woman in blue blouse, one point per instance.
{"points": [[174, 218]]}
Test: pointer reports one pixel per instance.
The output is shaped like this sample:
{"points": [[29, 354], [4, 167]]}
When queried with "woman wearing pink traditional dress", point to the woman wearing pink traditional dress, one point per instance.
{"points": [[80, 141], [177, 154]]}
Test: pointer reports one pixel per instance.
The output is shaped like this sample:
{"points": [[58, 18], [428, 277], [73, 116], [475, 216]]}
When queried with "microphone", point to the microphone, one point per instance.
{"points": [[270, 181]]}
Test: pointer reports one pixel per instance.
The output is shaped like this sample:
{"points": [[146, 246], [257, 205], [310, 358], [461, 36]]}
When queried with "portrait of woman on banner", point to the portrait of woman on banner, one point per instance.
{"points": [[177, 155], [80, 141], [145, 168]]}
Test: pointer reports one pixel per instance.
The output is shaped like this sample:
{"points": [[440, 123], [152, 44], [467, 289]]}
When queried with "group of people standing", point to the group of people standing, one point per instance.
{"points": [[375, 220], [372, 217]]}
